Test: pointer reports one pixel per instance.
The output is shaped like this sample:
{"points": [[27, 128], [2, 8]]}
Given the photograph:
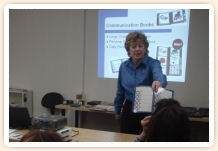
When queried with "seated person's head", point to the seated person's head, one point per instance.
{"points": [[168, 123], [41, 136]]}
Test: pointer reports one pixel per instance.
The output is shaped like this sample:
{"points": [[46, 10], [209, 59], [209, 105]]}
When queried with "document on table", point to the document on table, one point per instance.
{"points": [[11, 130], [103, 108], [145, 98], [13, 134]]}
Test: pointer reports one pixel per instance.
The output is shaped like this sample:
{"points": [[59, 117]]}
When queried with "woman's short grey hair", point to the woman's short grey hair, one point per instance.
{"points": [[133, 37]]}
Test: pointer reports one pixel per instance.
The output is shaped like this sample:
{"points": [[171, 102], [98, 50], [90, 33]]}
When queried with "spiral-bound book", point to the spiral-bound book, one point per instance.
{"points": [[146, 98]]}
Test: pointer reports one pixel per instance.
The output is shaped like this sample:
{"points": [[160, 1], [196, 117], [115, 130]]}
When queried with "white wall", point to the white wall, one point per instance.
{"points": [[95, 88], [56, 50], [46, 52]]}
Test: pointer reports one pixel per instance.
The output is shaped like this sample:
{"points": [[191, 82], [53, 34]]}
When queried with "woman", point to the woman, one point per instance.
{"points": [[139, 69], [169, 123]]}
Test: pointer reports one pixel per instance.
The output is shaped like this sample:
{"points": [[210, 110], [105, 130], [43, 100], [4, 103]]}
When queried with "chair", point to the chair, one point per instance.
{"points": [[19, 117], [51, 99]]}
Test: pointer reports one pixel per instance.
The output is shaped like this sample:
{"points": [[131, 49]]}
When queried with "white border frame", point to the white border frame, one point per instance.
{"points": [[109, 6]]}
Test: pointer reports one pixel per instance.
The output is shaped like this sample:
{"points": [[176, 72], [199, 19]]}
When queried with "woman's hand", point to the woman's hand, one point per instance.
{"points": [[144, 123], [156, 85], [117, 117]]}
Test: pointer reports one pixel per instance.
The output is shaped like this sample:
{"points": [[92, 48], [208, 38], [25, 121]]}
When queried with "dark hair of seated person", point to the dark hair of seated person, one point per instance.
{"points": [[41, 136], [168, 123]]}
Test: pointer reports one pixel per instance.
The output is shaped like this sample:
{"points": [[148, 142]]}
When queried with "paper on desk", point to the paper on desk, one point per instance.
{"points": [[15, 135], [11, 130], [103, 108]]}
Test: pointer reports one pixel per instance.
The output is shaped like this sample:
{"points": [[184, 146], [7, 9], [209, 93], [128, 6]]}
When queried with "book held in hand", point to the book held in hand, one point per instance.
{"points": [[146, 98]]}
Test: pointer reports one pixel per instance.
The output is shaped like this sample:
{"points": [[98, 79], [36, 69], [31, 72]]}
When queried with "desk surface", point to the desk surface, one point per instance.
{"points": [[199, 119], [83, 108], [89, 135]]}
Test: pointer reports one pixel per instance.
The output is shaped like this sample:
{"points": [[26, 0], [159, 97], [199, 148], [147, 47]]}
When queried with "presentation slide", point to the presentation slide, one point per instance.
{"points": [[167, 32]]}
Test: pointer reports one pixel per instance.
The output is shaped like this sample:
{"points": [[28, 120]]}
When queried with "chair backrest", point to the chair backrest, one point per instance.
{"points": [[51, 99], [19, 117]]}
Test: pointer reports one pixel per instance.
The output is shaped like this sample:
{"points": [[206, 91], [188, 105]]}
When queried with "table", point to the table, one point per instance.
{"points": [[77, 109], [85, 109], [89, 135], [199, 119], [81, 108]]}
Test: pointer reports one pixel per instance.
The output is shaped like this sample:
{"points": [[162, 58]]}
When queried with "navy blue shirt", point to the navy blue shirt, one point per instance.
{"points": [[148, 71]]}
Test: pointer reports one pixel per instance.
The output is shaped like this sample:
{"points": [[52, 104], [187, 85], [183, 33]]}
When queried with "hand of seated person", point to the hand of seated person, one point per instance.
{"points": [[144, 123]]}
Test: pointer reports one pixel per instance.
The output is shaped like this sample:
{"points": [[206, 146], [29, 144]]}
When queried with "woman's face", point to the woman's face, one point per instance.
{"points": [[137, 50]]}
